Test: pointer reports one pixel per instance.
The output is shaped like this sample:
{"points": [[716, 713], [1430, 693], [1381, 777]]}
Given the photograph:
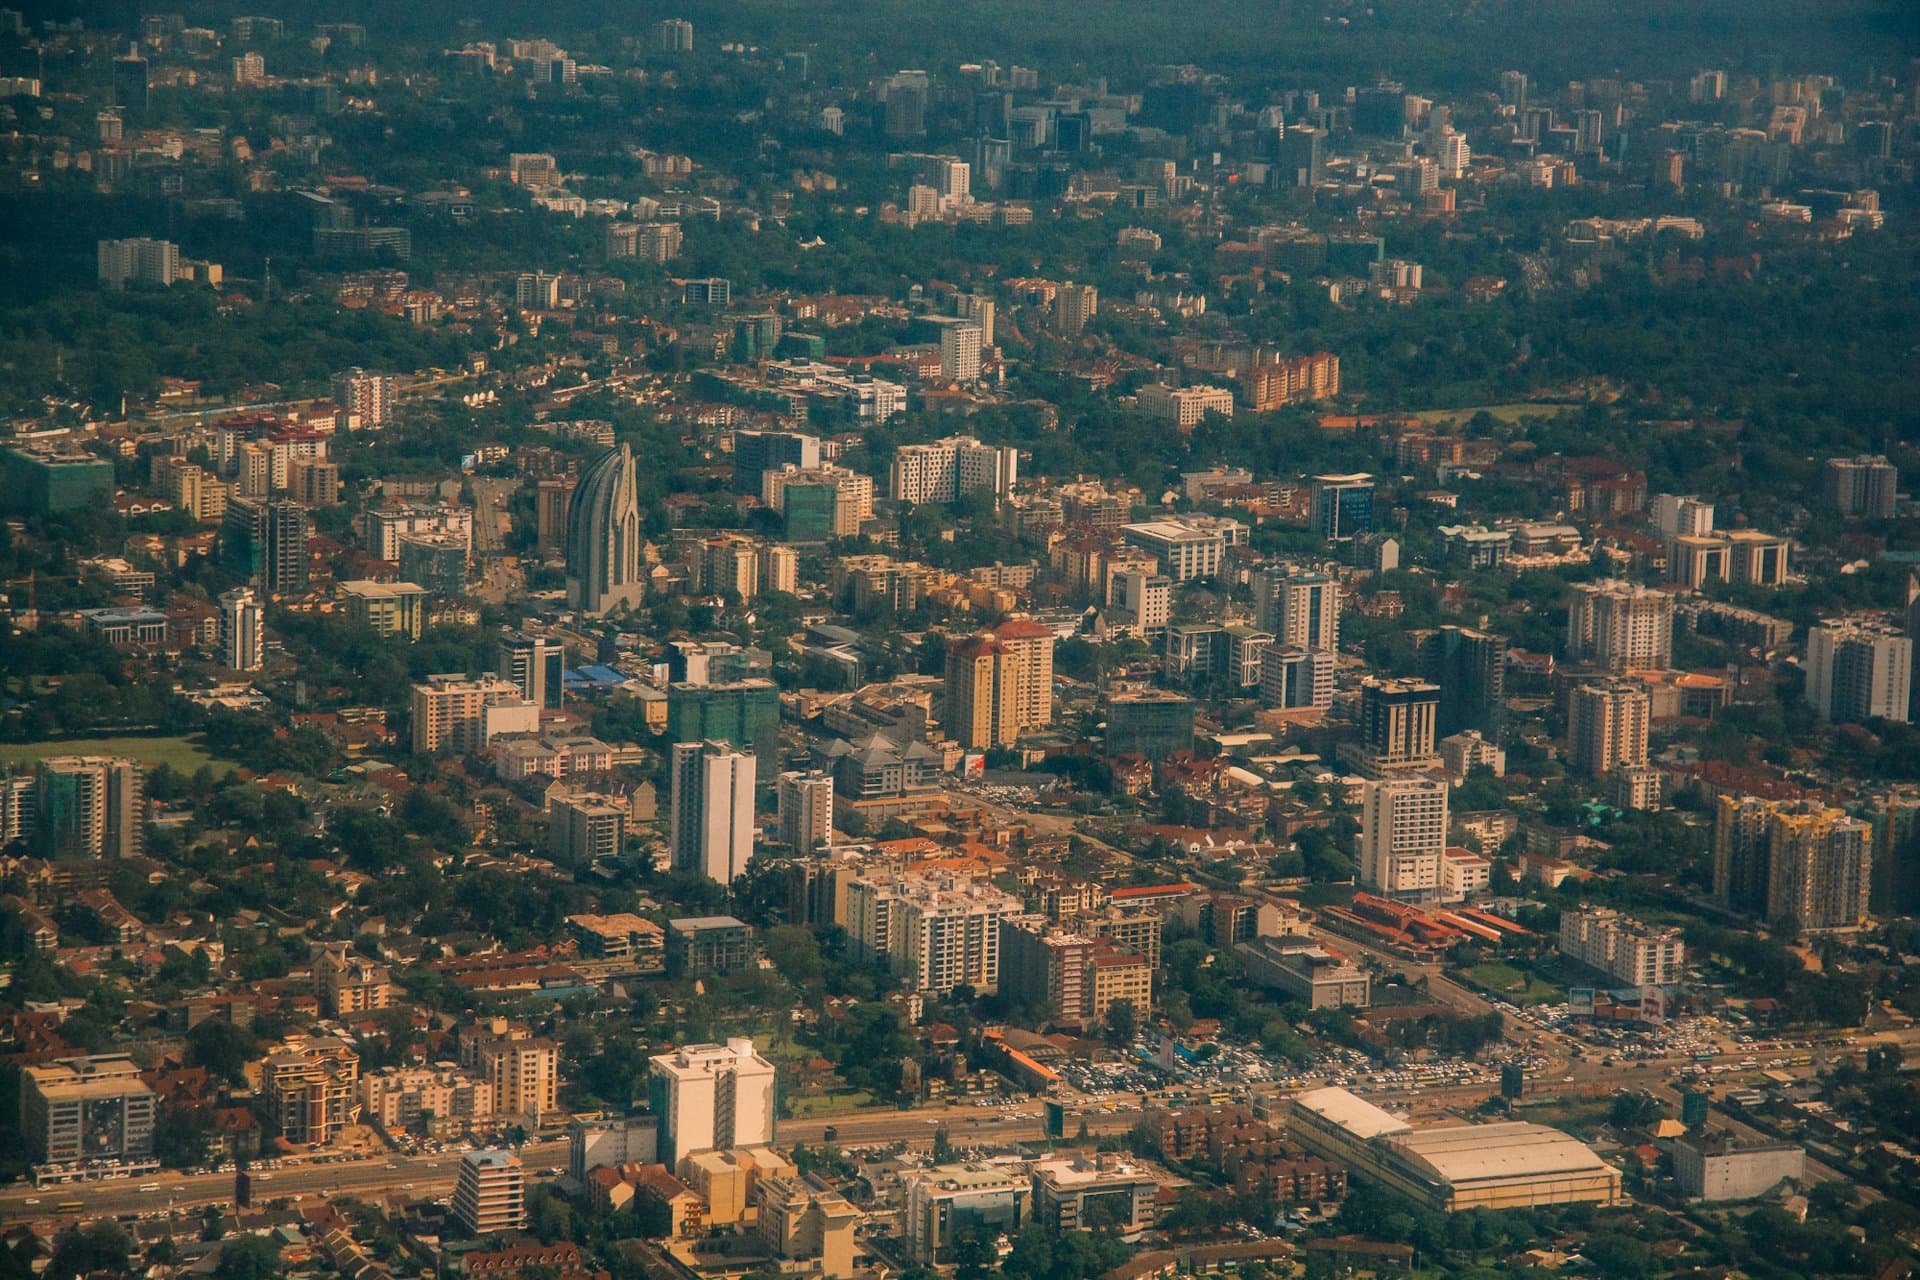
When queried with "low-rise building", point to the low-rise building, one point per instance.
{"points": [[1307, 972], [1717, 1166]]}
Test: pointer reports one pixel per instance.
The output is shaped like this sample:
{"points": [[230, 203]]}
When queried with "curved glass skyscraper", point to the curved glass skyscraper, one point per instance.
{"points": [[603, 536]]}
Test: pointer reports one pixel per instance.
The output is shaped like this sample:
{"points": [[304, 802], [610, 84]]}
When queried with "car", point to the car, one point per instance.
{"points": [[32, 1200], [391, 1165]]}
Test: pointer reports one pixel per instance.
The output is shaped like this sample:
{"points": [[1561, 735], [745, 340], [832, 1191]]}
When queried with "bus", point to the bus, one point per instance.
{"points": [[70, 1206]]}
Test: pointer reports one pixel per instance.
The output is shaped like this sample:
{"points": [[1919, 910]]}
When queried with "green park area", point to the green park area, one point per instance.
{"points": [[184, 754], [1507, 413], [1509, 983]]}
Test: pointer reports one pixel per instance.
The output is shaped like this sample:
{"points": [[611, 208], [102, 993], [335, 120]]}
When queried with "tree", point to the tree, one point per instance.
{"points": [[1122, 1022], [222, 1048], [247, 1257], [102, 1246]]}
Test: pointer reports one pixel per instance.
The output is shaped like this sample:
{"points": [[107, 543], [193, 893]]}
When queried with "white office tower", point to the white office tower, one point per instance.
{"points": [[711, 1097], [960, 352], [1403, 833], [712, 827], [806, 810], [243, 638]]}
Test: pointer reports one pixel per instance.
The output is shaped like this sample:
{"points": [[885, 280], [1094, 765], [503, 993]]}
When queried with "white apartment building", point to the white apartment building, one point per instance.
{"points": [[960, 348], [1859, 670], [713, 1097], [1632, 953], [805, 810], [1183, 407], [939, 931], [243, 630], [451, 712], [1621, 626], [1403, 834], [1607, 726], [945, 469]]}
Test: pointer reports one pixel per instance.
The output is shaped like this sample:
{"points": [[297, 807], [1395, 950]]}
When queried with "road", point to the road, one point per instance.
{"points": [[424, 1175], [491, 523]]}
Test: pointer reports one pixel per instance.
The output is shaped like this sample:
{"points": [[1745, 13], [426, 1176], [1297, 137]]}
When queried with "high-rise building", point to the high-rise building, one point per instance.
{"points": [[138, 261], [1299, 605], [742, 713], [938, 932], [1302, 162], [712, 1097], [368, 397], [537, 664], [1075, 979], [584, 829], [712, 825], [604, 537], [451, 712], [1742, 830], [1397, 723], [1819, 869], [313, 482], [1682, 517], [309, 1086], [1074, 305], [131, 85], [757, 452], [1859, 670], [945, 469], [1342, 506], [243, 628], [673, 35], [729, 566], [982, 692], [960, 352], [551, 499], [1153, 723], [1403, 835], [805, 810], [1031, 646], [86, 1110], [1292, 678], [1620, 626], [264, 542], [523, 1070], [977, 307], [1864, 486], [1607, 726], [1632, 953], [1471, 669], [490, 1194], [89, 807]]}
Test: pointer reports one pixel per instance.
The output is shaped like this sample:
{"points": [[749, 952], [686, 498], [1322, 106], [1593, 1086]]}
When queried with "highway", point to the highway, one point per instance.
{"points": [[424, 1175]]}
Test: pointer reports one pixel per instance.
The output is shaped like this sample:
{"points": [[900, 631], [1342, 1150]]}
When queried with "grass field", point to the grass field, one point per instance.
{"points": [[1508, 413], [1513, 984], [184, 754]]}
